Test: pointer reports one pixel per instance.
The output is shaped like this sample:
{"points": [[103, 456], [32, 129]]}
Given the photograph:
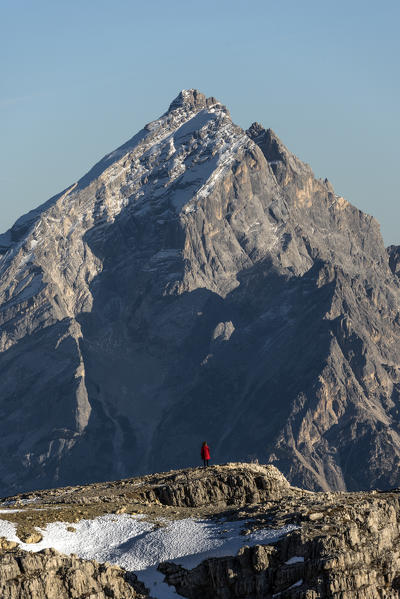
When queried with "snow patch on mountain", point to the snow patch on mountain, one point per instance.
{"points": [[138, 545]]}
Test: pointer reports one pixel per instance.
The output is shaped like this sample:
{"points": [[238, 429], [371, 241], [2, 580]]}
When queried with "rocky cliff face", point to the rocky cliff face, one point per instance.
{"points": [[346, 547], [199, 282], [51, 575]]}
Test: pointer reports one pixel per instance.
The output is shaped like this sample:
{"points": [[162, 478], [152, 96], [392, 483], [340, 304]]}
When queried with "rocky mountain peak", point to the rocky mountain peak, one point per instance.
{"points": [[272, 147], [199, 282], [192, 99], [285, 165]]}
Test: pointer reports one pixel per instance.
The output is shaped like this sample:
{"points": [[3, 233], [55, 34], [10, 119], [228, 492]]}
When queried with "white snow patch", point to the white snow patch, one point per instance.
{"points": [[9, 511], [295, 560], [190, 209], [138, 545], [296, 584], [25, 259], [20, 502]]}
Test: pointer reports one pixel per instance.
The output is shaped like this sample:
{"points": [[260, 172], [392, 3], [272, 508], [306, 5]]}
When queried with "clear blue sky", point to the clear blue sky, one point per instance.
{"points": [[78, 78]]}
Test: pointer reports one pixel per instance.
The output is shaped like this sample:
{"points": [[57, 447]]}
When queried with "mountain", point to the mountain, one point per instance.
{"points": [[198, 283]]}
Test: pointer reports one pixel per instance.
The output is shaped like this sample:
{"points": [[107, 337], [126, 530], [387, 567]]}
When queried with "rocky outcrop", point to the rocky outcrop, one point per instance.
{"points": [[347, 550], [231, 485], [51, 575], [199, 282], [216, 487], [394, 259]]}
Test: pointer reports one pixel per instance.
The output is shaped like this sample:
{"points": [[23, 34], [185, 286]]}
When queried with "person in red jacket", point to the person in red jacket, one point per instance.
{"points": [[205, 453]]}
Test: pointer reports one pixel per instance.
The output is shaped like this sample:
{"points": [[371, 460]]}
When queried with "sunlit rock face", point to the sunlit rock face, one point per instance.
{"points": [[199, 283]]}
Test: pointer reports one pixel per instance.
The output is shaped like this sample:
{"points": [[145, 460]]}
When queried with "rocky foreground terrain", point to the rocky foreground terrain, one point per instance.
{"points": [[199, 283], [336, 545]]}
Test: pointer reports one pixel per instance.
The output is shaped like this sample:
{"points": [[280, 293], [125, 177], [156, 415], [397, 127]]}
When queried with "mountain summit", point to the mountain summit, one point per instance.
{"points": [[198, 283]]}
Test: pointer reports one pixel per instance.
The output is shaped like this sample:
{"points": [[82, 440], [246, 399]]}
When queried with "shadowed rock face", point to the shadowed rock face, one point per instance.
{"points": [[198, 283], [394, 259]]}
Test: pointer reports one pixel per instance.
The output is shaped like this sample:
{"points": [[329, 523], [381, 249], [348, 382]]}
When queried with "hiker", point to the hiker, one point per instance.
{"points": [[205, 453]]}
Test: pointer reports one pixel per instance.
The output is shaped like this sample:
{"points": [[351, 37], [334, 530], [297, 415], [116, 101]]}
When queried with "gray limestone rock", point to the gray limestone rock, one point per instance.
{"points": [[345, 546], [222, 486], [52, 575]]}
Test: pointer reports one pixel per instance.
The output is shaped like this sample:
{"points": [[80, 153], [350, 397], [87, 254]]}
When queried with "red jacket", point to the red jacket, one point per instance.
{"points": [[205, 452]]}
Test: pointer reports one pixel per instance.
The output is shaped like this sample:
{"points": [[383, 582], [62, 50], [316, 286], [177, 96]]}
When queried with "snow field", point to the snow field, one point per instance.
{"points": [[138, 545]]}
